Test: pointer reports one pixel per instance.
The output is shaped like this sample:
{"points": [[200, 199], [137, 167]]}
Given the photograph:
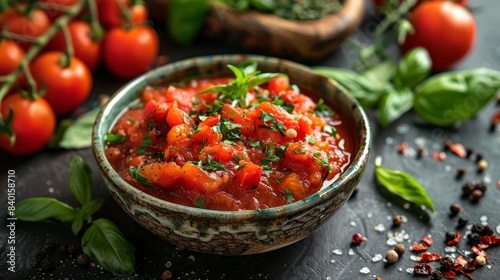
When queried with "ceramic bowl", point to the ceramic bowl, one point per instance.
{"points": [[233, 232]]}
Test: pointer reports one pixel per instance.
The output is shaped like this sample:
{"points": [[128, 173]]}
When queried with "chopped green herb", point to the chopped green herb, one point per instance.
{"points": [[230, 130], [254, 144], [310, 139], [330, 130], [134, 170], [132, 121], [289, 196], [210, 165], [287, 106], [322, 109], [146, 141], [115, 138], [200, 202], [151, 123]]}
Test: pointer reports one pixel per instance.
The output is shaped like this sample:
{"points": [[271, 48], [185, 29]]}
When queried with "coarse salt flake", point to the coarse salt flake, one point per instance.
{"points": [[332, 261], [409, 270], [498, 228], [369, 215], [365, 270], [353, 224], [488, 266], [377, 258], [389, 140], [379, 228], [392, 241], [450, 249], [415, 258], [351, 252], [337, 252]]}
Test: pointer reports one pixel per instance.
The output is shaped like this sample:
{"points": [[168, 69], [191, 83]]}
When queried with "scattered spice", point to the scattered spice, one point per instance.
{"points": [[436, 275], [488, 230], [391, 256], [462, 222], [49, 244], [47, 263], [39, 256], [63, 248], [455, 208], [482, 165], [458, 149], [467, 189], [481, 185], [480, 260], [455, 240], [477, 228], [427, 240], [476, 195], [82, 260], [449, 274], [471, 264], [72, 249], [479, 156], [400, 249], [420, 151], [469, 152], [402, 147], [439, 156], [460, 172], [429, 257], [166, 275], [357, 238], [446, 263], [419, 247], [473, 238], [422, 269], [480, 252], [397, 220]]}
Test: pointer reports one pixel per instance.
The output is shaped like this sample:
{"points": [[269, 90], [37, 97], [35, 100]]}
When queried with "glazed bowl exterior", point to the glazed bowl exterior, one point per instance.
{"points": [[233, 232]]}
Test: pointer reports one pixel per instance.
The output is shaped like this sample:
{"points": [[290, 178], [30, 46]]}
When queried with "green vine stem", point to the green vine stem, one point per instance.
{"points": [[96, 32], [66, 61], [39, 43]]}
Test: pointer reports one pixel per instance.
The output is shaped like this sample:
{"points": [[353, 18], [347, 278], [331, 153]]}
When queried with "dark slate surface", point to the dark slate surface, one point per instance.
{"points": [[326, 253]]}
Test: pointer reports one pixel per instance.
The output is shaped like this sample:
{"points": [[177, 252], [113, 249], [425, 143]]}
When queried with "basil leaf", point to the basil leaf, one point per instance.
{"points": [[381, 73], [139, 178], [413, 68], [402, 185], [452, 97], [91, 208], [264, 5], [185, 19], [393, 105], [81, 180], [58, 135], [115, 138], [367, 93], [104, 243], [79, 134], [77, 224], [42, 209]]}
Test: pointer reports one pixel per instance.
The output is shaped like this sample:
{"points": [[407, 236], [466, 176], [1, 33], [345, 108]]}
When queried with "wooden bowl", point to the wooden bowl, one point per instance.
{"points": [[272, 35]]}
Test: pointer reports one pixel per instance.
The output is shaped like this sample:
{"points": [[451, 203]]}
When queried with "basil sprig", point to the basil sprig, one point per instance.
{"points": [[75, 134], [403, 190], [102, 241]]}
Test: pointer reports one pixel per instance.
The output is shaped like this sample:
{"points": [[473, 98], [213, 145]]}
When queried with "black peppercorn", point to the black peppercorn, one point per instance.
{"points": [[450, 235], [488, 230], [166, 275], [481, 185], [436, 275], [467, 189], [479, 156], [477, 228], [462, 222], [46, 263], [420, 151], [476, 195], [49, 244], [397, 220], [455, 208], [473, 238], [446, 263], [39, 256], [469, 152], [460, 172], [82, 260], [72, 249]]}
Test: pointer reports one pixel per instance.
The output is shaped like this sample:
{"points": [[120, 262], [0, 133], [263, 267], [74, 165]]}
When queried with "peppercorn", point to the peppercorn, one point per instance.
{"points": [[447, 145], [49, 244], [473, 238], [460, 172], [469, 152], [493, 126], [488, 230], [63, 248], [446, 263], [397, 220], [476, 195], [480, 260], [467, 189], [477, 228], [482, 165], [462, 222], [479, 156], [72, 249], [455, 208], [498, 99], [436, 275], [357, 238], [400, 249], [420, 151], [39, 256], [450, 235], [166, 275], [391, 256], [46, 263], [481, 185], [82, 260]]}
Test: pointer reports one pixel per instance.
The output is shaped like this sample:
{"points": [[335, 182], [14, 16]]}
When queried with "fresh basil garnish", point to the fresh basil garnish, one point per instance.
{"points": [[134, 171], [42, 209], [393, 105]]}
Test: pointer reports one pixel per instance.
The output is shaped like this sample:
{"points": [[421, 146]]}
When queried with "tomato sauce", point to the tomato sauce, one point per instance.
{"points": [[197, 145]]}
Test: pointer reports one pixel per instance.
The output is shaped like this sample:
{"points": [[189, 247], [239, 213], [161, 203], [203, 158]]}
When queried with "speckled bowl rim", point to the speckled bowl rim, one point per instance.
{"points": [[98, 143]]}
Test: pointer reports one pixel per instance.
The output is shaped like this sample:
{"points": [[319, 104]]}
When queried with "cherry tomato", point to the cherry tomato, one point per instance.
{"points": [[31, 26], [110, 14], [52, 12], [67, 88], [85, 48], [33, 123], [130, 52], [446, 29], [379, 3], [11, 56]]}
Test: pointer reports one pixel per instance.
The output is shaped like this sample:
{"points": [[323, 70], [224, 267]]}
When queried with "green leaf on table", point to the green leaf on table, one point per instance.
{"points": [[402, 189], [79, 134], [106, 245], [185, 19], [366, 92], [452, 97], [81, 180], [381, 73], [414, 67], [42, 209], [264, 5], [393, 105], [77, 223], [89, 209]]}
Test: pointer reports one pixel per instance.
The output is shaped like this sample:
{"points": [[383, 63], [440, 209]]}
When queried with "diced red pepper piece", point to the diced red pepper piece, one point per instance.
{"points": [[468, 275], [471, 264], [458, 149], [459, 263], [419, 247], [439, 156], [422, 269], [429, 257], [402, 147], [427, 240], [449, 274], [480, 252], [455, 240]]}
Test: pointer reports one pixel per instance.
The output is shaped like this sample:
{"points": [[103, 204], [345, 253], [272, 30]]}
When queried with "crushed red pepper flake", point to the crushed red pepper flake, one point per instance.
{"points": [[485, 241], [419, 247], [458, 149], [468, 275], [427, 240], [429, 257], [498, 184], [422, 269], [449, 274], [455, 240], [459, 263], [471, 264], [480, 252], [439, 156], [402, 147]]}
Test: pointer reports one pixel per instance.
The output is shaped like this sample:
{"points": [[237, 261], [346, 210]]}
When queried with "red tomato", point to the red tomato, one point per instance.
{"points": [[447, 30], [85, 47], [130, 52], [52, 12], [110, 14], [32, 26], [33, 123], [67, 88], [278, 85], [379, 3], [11, 56]]}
